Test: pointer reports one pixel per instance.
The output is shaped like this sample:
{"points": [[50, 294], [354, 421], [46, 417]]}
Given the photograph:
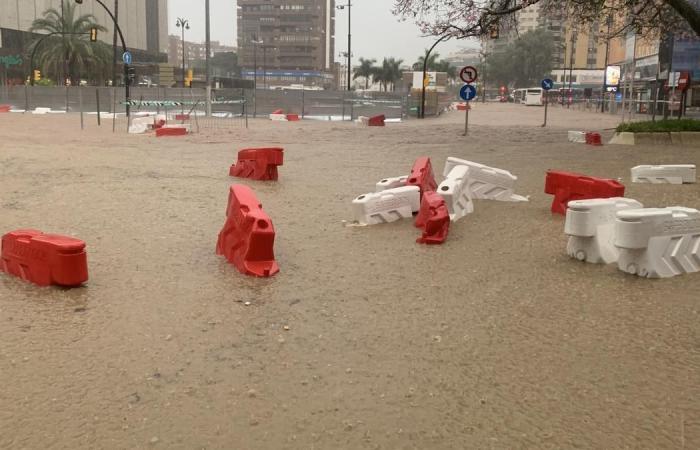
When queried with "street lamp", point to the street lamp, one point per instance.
{"points": [[349, 6], [255, 43], [185, 25]]}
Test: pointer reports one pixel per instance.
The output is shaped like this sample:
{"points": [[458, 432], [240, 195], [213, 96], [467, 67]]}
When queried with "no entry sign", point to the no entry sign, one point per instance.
{"points": [[468, 74]]}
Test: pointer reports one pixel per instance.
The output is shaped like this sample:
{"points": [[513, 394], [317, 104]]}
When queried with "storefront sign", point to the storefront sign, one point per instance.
{"points": [[10, 60]]}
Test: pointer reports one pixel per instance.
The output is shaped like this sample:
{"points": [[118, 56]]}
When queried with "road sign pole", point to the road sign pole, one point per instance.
{"points": [[546, 104], [466, 120]]}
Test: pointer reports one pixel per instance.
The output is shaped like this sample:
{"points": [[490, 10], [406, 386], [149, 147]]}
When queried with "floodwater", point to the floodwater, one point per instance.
{"points": [[364, 340]]}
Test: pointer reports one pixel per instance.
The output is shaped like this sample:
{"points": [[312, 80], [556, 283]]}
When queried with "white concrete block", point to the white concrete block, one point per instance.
{"points": [[666, 174], [391, 183], [658, 242], [455, 190], [487, 183], [386, 206], [590, 225], [578, 137]]}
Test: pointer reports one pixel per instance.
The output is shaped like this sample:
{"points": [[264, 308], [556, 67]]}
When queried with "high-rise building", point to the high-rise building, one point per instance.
{"points": [[287, 43], [194, 51], [143, 23]]}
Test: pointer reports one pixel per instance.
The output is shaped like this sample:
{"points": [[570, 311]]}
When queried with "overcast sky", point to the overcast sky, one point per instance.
{"points": [[376, 33]]}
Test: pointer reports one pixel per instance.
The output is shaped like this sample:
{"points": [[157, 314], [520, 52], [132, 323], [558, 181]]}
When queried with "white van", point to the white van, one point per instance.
{"points": [[533, 97]]}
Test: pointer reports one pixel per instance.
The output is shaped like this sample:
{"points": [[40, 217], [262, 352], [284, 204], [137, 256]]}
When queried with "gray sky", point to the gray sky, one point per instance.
{"points": [[376, 33]]}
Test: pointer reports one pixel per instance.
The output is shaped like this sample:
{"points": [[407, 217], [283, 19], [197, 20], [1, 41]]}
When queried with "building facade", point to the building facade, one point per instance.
{"points": [[194, 51], [287, 43]]}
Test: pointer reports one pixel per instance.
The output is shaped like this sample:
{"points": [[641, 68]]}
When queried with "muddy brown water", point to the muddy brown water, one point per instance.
{"points": [[495, 340]]}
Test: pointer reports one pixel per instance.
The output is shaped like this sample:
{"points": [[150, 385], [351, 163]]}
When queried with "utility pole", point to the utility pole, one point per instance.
{"points": [[114, 44], [207, 26]]}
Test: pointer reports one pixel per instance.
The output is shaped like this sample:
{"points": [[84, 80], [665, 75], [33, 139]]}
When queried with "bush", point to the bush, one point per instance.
{"points": [[661, 126]]}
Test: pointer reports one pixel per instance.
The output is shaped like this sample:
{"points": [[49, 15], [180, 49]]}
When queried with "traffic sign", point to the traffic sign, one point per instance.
{"points": [[468, 74], [467, 92], [547, 84], [126, 57]]}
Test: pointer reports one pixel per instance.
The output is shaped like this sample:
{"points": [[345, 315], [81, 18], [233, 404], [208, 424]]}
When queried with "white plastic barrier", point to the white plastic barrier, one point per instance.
{"points": [[667, 174], [590, 225], [390, 183], [578, 137], [278, 117], [488, 183], [455, 190], [137, 128], [658, 242], [386, 206], [41, 110], [363, 120]]}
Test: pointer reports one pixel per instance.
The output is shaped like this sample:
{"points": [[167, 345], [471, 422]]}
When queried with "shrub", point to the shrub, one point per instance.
{"points": [[660, 126]]}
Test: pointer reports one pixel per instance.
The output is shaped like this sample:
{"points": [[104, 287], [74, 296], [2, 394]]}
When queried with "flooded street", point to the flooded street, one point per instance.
{"points": [[365, 339]]}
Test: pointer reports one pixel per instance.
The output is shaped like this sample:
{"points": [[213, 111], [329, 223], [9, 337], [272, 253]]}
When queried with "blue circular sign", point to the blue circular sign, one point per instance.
{"points": [[126, 57], [547, 84], [467, 92]]}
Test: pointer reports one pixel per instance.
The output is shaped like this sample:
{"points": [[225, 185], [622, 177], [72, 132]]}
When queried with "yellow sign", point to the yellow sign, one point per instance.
{"points": [[426, 81], [37, 75]]}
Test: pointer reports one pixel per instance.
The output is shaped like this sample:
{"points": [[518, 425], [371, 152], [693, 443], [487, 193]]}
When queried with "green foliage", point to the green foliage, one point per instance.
{"points": [[436, 66], [660, 126], [388, 73], [83, 57], [366, 69], [524, 62]]}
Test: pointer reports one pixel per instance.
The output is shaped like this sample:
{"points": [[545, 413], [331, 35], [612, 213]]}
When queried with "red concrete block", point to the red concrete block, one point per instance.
{"points": [[171, 131], [182, 117], [422, 175], [568, 186], [5, 108], [278, 111], [376, 121], [258, 163], [433, 218], [292, 117], [248, 237], [593, 139], [44, 259]]}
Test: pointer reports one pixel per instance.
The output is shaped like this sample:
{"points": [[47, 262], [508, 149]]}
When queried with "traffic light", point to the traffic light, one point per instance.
{"points": [[37, 75], [493, 32], [131, 74], [93, 34]]}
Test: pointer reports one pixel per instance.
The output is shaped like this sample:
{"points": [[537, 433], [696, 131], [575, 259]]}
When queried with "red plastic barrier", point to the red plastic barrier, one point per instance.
{"points": [[157, 124], [258, 163], [568, 186], [278, 111], [422, 175], [182, 117], [5, 108], [463, 107], [433, 218], [171, 131], [292, 117], [44, 259], [593, 139], [248, 237], [376, 121]]}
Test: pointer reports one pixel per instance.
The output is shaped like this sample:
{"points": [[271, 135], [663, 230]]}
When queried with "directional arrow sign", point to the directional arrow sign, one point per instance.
{"points": [[467, 92], [547, 84], [468, 74], [126, 57]]}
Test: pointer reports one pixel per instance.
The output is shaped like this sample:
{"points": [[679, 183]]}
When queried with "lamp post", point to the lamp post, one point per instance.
{"points": [[572, 57], [425, 69], [349, 6], [255, 43], [127, 95], [184, 24]]}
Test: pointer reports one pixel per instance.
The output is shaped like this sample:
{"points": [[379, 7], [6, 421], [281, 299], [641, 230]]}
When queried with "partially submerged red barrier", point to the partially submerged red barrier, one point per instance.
{"points": [[258, 163], [292, 117], [278, 111], [248, 237], [377, 121], [182, 117], [171, 131], [5, 108], [422, 175], [593, 139], [44, 259], [568, 186], [433, 218]]}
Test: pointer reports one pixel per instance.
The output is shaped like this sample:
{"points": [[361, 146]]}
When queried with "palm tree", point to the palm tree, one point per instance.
{"points": [[389, 73], [365, 70], [432, 60], [71, 45]]}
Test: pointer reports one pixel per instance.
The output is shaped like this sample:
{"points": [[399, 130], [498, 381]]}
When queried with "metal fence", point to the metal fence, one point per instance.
{"points": [[322, 105]]}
